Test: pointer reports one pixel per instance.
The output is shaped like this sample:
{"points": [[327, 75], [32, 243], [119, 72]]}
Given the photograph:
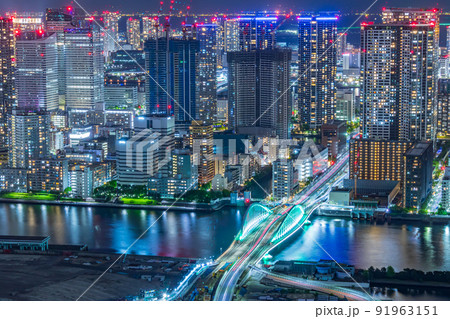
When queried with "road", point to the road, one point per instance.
{"points": [[322, 286], [259, 243]]}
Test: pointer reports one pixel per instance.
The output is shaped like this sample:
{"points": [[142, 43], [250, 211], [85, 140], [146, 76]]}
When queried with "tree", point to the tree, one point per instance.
{"points": [[67, 190], [390, 272]]}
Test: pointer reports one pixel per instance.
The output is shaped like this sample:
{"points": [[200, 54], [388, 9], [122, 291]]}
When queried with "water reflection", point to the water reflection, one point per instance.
{"points": [[186, 234], [365, 244], [193, 234]]}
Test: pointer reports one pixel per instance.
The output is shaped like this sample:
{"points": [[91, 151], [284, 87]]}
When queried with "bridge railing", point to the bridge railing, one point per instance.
{"points": [[256, 213]]}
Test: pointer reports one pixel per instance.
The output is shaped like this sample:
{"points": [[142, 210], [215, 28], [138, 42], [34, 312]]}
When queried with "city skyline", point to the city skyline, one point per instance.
{"points": [[202, 6], [176, 155]]}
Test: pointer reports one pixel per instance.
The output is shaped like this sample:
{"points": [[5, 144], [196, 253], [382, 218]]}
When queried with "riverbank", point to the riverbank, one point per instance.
{"points": [[173, 206], [398, 217], [408, 283]]}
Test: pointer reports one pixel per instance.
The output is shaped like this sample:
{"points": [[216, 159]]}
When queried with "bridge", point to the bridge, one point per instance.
{"points": [[264, 228]]}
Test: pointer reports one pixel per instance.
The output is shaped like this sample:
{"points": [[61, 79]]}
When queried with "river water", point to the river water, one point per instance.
{"points": [[190, 234]]}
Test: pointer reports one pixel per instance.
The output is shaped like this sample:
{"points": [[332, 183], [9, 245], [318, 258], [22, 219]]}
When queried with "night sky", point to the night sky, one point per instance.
{"points": [[215, 5]]}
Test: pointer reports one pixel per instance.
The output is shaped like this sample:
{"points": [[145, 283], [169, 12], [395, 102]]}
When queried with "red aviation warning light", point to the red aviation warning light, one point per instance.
{"points": [[69, 8]]}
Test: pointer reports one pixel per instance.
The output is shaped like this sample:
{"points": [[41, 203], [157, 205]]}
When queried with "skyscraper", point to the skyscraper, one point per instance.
{"points": [[256, 103], [150, 29], [37, 71], [398, 80], [84, 68], [317, 69], [7, 76], [231, 35], [257, 32], [28, 134], [448, 39], [111, 26], [173, 65], [443, 108], [201, 143], [206, 34], [55, 21], [134, 33]]}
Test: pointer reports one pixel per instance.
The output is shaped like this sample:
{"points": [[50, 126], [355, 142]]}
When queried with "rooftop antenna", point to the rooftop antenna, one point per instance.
{"points": [[167, 23], [184, 23]]}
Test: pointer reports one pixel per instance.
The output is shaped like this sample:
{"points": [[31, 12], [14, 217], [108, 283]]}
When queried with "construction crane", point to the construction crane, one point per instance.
{"points": [[184, 23], [272, 34]]}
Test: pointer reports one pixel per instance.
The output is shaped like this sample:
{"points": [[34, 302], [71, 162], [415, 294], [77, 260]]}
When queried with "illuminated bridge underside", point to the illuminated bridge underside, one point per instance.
{"points": [[256, 213], [295, 218]]}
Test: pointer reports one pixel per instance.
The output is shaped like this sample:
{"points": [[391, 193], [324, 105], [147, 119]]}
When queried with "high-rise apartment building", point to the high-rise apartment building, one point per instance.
{"points": [[148, 153], [444, 67], [7, 76], [398, 80], [448, 39], [443, 107], [48, 175], [445, 201], [37, 71], [206, 34], [171, 87], [283, 179], [418, 174], [258, 103], [111, 30], [378, 159], [151, 28], [134, 33], [231, 35], [201, 144], [28, 137], [257, 32], [317, 69], [84, 64]]}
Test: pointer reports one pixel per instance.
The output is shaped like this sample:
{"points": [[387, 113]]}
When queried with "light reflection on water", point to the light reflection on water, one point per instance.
{"points": [[192, 234], [366, 244], [187, 234]]}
